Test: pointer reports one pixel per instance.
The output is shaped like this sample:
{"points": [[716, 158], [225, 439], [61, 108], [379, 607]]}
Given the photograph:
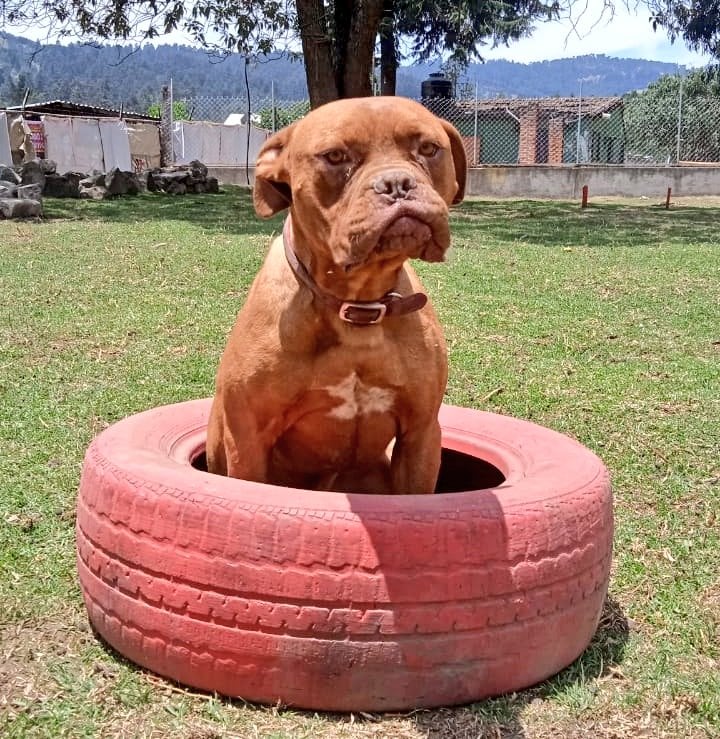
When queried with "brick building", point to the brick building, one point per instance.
{"points": [[538, 131]]}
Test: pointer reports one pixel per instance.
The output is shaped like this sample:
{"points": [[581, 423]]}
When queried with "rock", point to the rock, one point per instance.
{"points": [[15, 208], [30, 192], [141, 182], [197, 170], [96, 179], [8, 189], [8, 174], [62, 185], [31, 173], [94, 192], [212, 185], [176, 187], [48, 166], [160, 181], [151, 182], [118, 182], [174, 182], [176, 176]]}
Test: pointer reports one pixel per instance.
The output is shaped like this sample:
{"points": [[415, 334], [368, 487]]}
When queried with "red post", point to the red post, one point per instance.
{"points": [[667, 199], [585, 196]]}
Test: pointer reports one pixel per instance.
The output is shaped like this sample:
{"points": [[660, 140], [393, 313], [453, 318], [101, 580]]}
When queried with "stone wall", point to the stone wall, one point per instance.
{"points": [[22, 188]]}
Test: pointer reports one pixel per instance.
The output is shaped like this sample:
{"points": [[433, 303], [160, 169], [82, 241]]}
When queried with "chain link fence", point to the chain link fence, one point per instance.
{"points": [[642, 128], [267, 113], [686, 132]]}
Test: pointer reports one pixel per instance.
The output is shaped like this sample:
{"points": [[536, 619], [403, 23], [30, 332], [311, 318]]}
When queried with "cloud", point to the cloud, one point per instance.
{"points": [[626, 33]]}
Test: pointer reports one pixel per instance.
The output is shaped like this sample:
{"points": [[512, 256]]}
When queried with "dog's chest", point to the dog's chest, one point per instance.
{"points": [[339, 421], [351, 398]]}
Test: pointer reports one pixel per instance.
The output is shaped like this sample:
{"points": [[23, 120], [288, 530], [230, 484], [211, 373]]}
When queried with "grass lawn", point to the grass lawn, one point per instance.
{"points": [[603, 324]]}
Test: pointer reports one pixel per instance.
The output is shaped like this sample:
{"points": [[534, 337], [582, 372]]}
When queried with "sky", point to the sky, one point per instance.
{"points": [[627, 33]]}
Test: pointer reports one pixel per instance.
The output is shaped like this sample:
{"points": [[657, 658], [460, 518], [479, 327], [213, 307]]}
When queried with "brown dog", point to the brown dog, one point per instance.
{"points": [[335, 353]]}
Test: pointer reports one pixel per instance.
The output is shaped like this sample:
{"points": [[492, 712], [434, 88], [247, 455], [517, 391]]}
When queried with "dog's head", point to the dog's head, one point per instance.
{"points": [[367, 178]]}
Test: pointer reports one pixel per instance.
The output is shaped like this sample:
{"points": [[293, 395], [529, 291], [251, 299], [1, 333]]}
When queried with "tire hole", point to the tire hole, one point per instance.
{"points": [[458, 472]]}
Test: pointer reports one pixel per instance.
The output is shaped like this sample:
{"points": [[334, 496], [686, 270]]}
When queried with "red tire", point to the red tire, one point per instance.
{"points": [[346, 602]]}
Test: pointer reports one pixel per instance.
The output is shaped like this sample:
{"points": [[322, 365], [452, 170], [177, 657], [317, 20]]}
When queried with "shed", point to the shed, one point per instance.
{"points": [[88, 137], [67, 108], [540, 130]]}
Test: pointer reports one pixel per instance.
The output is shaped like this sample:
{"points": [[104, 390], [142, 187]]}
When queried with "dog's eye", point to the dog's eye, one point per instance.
{"points": [[335, 156], [428, 149]]}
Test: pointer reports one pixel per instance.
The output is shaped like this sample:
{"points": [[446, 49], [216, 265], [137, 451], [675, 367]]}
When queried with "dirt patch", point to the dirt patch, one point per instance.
{"points": [[709, 201], [26, 650], [56, 666], [710, 603]]}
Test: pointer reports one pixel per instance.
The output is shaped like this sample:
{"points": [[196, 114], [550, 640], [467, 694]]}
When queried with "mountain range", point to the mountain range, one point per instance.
{"points": [[112, 75]]}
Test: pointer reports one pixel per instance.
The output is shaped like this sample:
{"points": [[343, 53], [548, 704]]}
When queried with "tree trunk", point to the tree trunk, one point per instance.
{"points": [[360, 50], [317, 52], [388, 52], [343, 11], [339, 55]]}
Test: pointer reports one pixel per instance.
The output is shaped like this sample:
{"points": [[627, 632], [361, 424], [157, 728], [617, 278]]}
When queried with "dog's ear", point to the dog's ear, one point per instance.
{"points": [[272, 192], [459, 158]]}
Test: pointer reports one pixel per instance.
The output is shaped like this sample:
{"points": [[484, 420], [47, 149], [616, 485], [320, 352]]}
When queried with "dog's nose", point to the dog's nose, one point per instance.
{"points": [[396, 183]]}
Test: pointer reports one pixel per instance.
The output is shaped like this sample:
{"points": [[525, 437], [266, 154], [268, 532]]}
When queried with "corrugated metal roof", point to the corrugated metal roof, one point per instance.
{"points": [[567, 106], [65, 107]]}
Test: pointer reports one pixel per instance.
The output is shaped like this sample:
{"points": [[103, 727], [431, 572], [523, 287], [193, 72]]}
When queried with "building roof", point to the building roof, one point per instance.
{"points": [[64, 107], [569, 106]]}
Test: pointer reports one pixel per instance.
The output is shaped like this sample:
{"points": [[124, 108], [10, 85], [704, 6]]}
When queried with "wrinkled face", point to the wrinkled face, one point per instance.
{"points": [[367, 179]]}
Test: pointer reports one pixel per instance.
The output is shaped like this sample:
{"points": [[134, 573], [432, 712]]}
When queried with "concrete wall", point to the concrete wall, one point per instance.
{"points": [[563, 183], [227, 175]]}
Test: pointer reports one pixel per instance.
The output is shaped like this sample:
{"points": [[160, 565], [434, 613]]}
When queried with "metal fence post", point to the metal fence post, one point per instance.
{"points": [[579, 123], [475, 133], [166, 157], [172, 122], [679, 125], [272, 105]]}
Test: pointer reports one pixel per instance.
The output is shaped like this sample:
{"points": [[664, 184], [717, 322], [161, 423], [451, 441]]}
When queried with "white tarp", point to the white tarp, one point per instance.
{"points": [[115, 145], [144, 145], [211, 134], [5, 154], [74, 144], [87, 145], [187, 142], [233, 142], [215, 143], [59, 142]]}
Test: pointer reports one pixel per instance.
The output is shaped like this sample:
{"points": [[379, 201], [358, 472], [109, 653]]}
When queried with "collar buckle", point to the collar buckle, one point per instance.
{"points": [[362, 314]]}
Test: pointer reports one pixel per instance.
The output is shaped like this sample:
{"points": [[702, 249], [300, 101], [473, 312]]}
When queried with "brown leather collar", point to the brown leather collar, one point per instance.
{"points": [[357, 312]]}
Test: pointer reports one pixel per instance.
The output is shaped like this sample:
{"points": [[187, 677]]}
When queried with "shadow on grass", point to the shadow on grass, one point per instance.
{"points": [[562, 223], [500, 718], [533, 222], [230, 211]]}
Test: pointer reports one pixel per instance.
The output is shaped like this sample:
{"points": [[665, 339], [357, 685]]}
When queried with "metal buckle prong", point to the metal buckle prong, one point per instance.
{"points": [[348, 305]]}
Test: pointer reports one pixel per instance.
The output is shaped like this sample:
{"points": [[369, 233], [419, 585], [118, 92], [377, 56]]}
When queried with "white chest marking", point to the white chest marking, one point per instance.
{"points": [[357, 399]]}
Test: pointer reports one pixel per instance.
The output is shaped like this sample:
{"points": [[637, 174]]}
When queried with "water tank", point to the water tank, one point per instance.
{"points": [[437, 86]]}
